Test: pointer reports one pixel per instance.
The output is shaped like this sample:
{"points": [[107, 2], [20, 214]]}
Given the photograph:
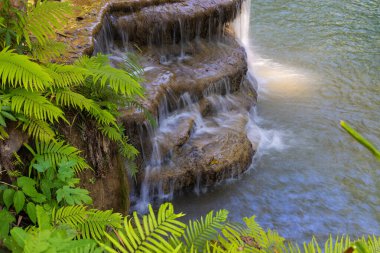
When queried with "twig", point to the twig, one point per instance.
{"points": [[10, 185]]}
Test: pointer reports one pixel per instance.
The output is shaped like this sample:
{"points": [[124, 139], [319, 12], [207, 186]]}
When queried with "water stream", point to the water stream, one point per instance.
{"points": [[313, 63], [316, 62]]}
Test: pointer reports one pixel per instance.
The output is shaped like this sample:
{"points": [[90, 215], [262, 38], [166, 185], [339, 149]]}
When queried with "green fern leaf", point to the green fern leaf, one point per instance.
{"points": [[68, 98], [97, 221], [18, 71], [103, 117], [200, 231], [150, 235], [51, 49], [119, 80], [38, 129], [66, 75], [56, 151], [43, 20], [34, 105], [111, 133], [73, 215]]}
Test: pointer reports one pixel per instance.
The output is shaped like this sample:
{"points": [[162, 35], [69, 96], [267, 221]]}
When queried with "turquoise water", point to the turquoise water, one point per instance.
{"points": [[316, 62]]}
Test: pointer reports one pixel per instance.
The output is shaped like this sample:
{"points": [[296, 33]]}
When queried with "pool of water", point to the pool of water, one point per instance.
{"points": [[316, 63]]}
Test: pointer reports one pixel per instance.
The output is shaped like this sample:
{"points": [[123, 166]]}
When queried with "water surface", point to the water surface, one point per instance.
{"points": [[316, 62]]}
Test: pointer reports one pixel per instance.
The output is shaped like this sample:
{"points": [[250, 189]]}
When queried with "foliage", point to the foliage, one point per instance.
{"points": [[32, 30], [48, 237], [37, 95], [50, 186], [366, 143], [150, 235], [213, 234]]}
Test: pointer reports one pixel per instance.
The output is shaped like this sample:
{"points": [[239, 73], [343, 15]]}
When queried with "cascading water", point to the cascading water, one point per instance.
{"points": [[197, 89]]}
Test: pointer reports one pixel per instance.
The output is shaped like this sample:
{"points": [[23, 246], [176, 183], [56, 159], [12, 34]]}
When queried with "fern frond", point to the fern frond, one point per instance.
{"points": [[55, 152], [254, 229], [18, 71], [103, 117], [198, 232], [151, 234], [127, 150], [373, 244], [68, 98], [119, 80], [73, 215], [66, 75], [3, 134], [111, 133], [43, 20], [34, 105], [94, 226], [49, 50], [38, 129], [249, 238]]}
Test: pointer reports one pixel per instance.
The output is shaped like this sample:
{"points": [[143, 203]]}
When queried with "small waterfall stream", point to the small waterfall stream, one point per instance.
{"points": [[195, 75]]}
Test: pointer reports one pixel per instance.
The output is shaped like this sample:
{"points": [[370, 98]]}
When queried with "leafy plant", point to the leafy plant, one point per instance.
{"points": [[149, 236], [214, 234], [357, 136], [32, 29], [47, 237]]}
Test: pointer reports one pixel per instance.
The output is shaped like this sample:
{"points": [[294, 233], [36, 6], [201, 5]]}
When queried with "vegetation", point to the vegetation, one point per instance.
{"points": [[42, 208], [359, 138]]}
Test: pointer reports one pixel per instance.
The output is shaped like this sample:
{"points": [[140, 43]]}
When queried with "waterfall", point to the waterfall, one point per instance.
{"points": [[197, 90]]}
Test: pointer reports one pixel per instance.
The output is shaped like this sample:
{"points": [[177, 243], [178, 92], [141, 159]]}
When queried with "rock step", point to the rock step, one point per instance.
{"points": [[174, 22]]}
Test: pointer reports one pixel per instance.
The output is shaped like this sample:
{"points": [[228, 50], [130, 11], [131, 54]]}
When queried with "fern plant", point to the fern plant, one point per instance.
{"points": [[39, 94], [48, 237], [214, 234], [90, 224], [151, 234], [32, 30]]}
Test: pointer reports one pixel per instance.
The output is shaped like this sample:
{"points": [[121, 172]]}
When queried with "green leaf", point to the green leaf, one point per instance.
{"points": [[66, 171], [366, 143], [19, 201], [73, 196], [8, 115], [42, 165], [25, 181], [8, 197], [6, 218], [18, 71], [43, 218], [34, 105], [20, 236], [27, 185], [31, 211], [45, 186]]}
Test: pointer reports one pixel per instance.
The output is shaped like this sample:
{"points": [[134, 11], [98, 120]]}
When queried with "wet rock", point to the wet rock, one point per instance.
{"points": [[170, 23], [202, 67], [209, 156], [186, 50], [9, 146]]}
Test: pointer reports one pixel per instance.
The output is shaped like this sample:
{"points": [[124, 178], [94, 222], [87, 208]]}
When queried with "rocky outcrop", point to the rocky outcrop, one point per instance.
{"points": [[196, 89]]}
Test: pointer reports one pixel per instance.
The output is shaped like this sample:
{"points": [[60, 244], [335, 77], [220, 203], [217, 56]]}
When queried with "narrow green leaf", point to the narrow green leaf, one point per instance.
{"points": [[20, 236], [19, 201], [8, 197], [31, 211], [6, 218], [366, 143]]}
